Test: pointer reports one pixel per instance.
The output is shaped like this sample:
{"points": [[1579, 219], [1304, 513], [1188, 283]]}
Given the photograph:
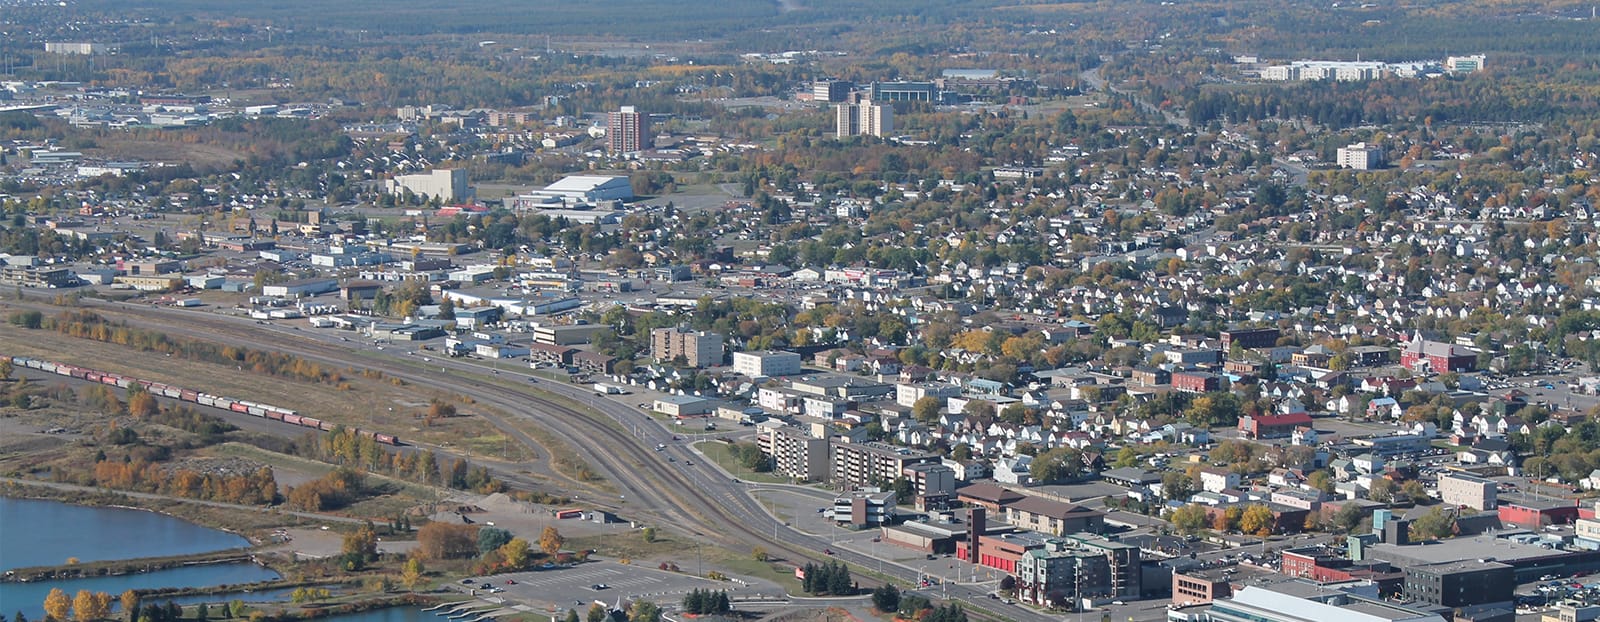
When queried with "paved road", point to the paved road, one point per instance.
{"points": [[645, 480]]}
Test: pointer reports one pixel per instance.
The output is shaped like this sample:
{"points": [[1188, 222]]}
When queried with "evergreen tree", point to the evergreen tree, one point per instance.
{"points": [[200, 613], [886, 598], [173, 612]]}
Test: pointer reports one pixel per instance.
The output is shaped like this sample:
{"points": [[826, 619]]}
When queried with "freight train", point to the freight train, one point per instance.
{"points": [[267, 411]]}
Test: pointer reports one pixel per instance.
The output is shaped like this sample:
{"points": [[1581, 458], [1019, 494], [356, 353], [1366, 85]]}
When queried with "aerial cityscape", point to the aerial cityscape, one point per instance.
{"points": [[799, 311]]}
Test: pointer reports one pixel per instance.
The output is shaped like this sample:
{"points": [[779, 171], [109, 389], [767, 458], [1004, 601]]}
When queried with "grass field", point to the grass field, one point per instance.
{"points": [[718, 452]]}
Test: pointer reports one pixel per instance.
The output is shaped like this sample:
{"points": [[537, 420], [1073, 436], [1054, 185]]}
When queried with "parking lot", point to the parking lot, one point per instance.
{"points": [[574, 587]]}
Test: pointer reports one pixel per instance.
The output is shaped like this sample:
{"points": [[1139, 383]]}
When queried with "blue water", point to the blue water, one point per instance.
{"points": [[44, 533], [29, 597], [38, 533], [392, 614]]}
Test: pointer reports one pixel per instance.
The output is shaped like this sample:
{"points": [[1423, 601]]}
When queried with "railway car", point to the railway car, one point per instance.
{"points": [[275, 415], [238, 407], [78, 372], [326, 426], [256, 410], [205, 399], [310, 423], [386, 439], [294, 419], [91, 376], [123, 381], [188, 395]]}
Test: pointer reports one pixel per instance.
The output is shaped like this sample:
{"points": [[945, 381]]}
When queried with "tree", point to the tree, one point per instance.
{"points": [[201, 613], [130, 604], [1056, 465], [1321, 480], [1414, 491], [142, 405], [412, 573], [88, 606], [444, 541], [1349, 518], [886, 598], [1189, 518], [1382, 490], [1175, 485], [649, 534], [644, 611], [360, 546], [758, 553], [517, 552], [596, 613], [927, 409], [1257, 519], [550, 541], [1433, 525], [572, 616], [492, 538], [57, 605]]}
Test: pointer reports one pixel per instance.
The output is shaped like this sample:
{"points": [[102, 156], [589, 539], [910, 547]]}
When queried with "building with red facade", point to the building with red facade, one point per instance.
{"points": [[1272, 426], [1196, 381], [1437, 357]]}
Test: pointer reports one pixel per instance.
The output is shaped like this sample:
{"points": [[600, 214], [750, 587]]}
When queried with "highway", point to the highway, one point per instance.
{"points": [[617, 441]]}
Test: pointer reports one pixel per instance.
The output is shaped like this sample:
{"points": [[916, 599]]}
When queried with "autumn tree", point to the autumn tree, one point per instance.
{"points": [[360, 547], [412, 573], [57, 605], [927, 408], [130, 604], [88, 606], [1382, 490], [1257, 519], [143, 405], [516, 553], [1189, 518], [442, 541], [550, 541]]}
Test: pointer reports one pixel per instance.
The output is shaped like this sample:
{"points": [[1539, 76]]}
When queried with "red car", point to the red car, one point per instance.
{"points": [[511, 581]]}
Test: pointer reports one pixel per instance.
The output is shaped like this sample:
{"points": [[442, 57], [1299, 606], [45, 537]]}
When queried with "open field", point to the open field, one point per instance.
{"points": [[369, 403]]}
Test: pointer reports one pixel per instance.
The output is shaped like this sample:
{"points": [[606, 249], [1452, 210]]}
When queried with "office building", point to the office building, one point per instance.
{"points": [[1464, 64], [863, 119], [1361, 157], [1070, 570], [766, 363], [628, 131], [831, 91], [86, 49], [1461, 583], [865, 508], [698, 348], [905, 92], [1305, 601], [873, 463], [446, 185], [1465, 490]]}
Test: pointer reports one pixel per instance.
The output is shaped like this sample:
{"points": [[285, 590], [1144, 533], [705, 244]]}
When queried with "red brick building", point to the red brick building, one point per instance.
{"points": [[1437, 357], [1272, 426], [1196, 381]]}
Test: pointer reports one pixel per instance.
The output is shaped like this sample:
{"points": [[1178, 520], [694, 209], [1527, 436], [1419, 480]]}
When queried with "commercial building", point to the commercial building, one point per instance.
{"points": [[873, 463], [907, 394], [905, 92], [1304, 601], [300, 287], [77, 48], [1053, 517], [446, 185], [831, 91], [932, 482], [865, 508], [1536, 512], [566, 335], [29, 276], [863, 119], [766, 363], [1196, 381], [576, 190], [1461, 583], [628, 131], [684, 405], [1436, 357], [1272, 426], [797, 455], [1464, 64], [1249, 338], [1361, 157], [1199, 586], [1465, 490], [698, 348], [1068, 571]]}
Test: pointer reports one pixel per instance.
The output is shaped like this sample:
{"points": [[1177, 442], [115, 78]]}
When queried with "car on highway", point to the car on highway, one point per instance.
{"points": [[600, 586], [485, 586], [511, 581]]}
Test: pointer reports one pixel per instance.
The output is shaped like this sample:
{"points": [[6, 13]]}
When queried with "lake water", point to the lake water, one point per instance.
{"points": [[392, 614], [36, 533], [43, 533]]}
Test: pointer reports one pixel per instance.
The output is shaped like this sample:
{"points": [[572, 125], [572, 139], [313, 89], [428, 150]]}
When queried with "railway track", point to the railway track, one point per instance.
{"points": [[652, 491]]}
